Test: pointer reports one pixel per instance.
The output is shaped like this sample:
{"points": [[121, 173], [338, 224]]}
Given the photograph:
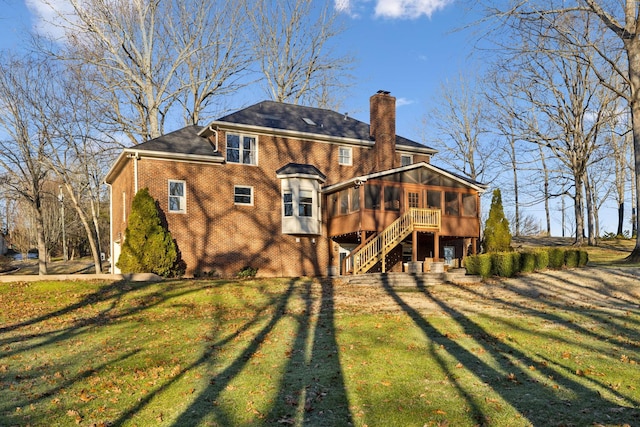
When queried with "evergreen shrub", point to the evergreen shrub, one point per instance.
{"points": [[497, 236], [148, 246], [571, 258], [528, 262], [542, 259], [583, 259], [472, 265], [247, 272], [484, 265], [505, 264], [556, 258]]}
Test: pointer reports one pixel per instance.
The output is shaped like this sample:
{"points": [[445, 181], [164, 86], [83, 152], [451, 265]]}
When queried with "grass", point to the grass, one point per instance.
{"points": [[300, 352]]}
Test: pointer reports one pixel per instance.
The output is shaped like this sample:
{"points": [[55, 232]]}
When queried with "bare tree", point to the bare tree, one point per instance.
{"points": [[562, 85], [622, 21], [460, 119], [292, 44], [146, 58], [75, 155], [22, 146]]}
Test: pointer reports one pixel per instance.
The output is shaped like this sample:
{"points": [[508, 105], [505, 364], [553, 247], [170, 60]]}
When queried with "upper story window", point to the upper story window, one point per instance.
{"points": [[242, 149], [451, 203], [177, 196], [469, 205], [406, 159], [243, 195], [345, 156]]}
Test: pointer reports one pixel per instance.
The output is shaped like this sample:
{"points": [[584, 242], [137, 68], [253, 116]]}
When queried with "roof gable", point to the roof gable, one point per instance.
{"points": [[407, 170], [182, 141]]}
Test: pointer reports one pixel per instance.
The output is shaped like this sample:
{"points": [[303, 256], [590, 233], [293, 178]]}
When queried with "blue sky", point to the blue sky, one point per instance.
{"points": [[408, 47]]}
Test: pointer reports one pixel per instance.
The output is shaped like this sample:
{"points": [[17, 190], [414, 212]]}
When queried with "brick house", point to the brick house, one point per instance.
{"points": [[294, 191]]}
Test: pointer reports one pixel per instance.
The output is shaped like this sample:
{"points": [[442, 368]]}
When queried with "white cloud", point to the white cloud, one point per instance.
{"points": [[46, 16], [343, 5], [403, 101], [393, 9], [409, 9]]}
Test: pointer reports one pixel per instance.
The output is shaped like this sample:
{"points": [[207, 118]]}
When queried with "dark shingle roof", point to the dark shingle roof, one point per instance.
{"points": [[181, 141], [298, 118], [299, 168]]}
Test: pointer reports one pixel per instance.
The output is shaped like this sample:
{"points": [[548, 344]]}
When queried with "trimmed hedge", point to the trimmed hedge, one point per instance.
{"points": [[508, 264], [583, 259], [479, 265], [542, 259], [571, 258], [527, 262], [556, 258], [505, 264]]}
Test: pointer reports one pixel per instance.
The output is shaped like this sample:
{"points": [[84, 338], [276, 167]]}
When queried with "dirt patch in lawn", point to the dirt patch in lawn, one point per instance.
{"points": [[600, 288]]}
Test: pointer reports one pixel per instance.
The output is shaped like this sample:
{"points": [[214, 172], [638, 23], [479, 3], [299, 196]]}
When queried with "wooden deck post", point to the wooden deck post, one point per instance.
{"points": [[436, 246], [414, 246]]}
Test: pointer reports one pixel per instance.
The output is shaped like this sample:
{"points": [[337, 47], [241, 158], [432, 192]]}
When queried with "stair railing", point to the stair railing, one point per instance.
{"points": [[375, 250]]}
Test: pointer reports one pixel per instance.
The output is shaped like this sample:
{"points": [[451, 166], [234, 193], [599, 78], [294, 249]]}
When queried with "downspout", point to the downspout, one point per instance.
{"points": [[135, 156], [111, 260], [214, 131]]}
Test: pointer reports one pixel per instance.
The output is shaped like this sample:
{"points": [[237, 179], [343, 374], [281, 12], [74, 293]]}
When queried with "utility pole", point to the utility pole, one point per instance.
{"points": [[65, 256]]}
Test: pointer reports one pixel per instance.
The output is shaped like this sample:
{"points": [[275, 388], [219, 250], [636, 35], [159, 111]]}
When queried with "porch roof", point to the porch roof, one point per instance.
{"points": [[359, 180]]}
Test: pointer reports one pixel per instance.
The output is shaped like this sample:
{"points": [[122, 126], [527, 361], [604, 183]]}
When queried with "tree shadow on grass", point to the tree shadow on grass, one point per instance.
{"points": [[53, 341], [511, 376], [311, 390]]}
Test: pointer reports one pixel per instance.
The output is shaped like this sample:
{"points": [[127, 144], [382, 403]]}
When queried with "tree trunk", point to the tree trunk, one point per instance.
{"points": [[578, 207], [514, 166], [91, 236], [42, 247], [620, 219], [633, 53], [591, 207], [547, 211]]}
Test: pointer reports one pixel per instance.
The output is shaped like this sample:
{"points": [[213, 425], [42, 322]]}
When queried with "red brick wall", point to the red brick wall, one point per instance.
{"points": [[383, 130], [122, 182], [217, 235]]}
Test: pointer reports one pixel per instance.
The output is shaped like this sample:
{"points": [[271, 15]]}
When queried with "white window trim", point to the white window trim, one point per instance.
{"points": [[252, 195], [183, 203], [350, 161], [241, 136], [410, 156], [284, 203]]}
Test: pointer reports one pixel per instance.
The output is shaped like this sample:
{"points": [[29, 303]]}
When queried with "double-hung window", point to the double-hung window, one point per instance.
{"points": [[345, 156], [243, 195], [305, 204], [287, 199], [242, 149], [177, 196]]}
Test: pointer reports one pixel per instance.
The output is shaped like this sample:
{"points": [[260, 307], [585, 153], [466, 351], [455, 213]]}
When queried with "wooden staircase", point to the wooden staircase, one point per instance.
{"points": [[375, 249]]}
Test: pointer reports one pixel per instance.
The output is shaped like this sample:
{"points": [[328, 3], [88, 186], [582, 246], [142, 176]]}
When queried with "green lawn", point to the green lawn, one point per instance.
{"points": [[298, 352]]}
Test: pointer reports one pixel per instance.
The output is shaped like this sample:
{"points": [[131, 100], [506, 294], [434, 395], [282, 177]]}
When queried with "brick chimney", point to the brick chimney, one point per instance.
{"points": [[382, 129]]}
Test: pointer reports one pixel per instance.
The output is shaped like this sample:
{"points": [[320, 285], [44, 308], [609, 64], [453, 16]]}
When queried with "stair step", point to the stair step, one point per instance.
{"points": [[411, 279]]}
